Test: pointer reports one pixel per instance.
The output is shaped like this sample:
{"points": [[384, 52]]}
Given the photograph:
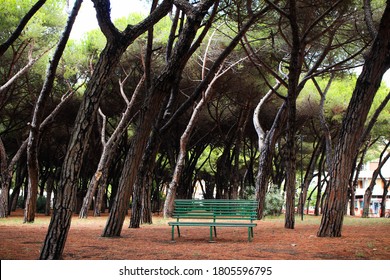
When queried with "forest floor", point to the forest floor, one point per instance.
{"points": [[362, 239]]}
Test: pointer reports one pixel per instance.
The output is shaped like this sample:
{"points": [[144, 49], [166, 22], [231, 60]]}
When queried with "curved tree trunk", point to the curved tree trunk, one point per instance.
{"points": [[266, 155], [34, 135]]}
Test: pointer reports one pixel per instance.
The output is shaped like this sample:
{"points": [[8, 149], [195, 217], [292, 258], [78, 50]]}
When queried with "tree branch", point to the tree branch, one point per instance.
{"points": [[21, 26]]}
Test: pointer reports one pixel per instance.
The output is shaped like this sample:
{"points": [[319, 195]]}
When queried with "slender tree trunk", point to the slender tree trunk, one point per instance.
{"points": [[319, 183], [266, 155], [242, 123], [21, 172], [376, 64], [354, 182], [4, 181], [34, 135], [168, 206], [309, 175], [140, 206], [369, 190]]}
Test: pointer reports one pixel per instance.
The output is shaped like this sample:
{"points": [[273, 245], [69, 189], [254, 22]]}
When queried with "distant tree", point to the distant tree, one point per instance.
{"points": [[368, 193]]}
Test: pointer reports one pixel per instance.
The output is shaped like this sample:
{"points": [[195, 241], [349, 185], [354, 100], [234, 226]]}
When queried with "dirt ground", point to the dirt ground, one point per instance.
{"points": [[367, 239]]}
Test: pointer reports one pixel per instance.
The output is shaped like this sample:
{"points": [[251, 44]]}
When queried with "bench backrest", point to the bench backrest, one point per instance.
{"points": [[215, 209]]}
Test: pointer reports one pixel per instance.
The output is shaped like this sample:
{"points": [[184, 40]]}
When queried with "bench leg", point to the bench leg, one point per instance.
{"points": [[250, 233], [211, 234], [215, 231], [173, 233], [178, 231]]}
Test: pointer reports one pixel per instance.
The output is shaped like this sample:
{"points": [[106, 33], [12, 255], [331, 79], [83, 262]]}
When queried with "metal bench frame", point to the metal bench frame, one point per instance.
{"points": [[215, 213]]}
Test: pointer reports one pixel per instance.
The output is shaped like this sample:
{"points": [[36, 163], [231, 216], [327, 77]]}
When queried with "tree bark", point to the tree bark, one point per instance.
{"points": [[34, 135], [266, 155], [376, 64], [109, 149], [117, 43]]}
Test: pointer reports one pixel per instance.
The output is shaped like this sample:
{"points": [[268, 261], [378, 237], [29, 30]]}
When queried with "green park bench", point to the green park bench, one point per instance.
{"points": [[214, 213]]}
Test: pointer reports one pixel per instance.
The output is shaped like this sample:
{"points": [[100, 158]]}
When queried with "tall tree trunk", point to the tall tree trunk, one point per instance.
{"points": [[20, 174], [66, 194], [266, 155], [140, 207], [109, 150], [376, 64], [117, 43], [133, 160], [295, 70], [34, 135], [142, 187], [164, 83], [242, 123]]}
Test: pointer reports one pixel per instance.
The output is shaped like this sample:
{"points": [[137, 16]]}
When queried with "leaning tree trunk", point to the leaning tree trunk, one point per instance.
{"points": [[130, 169], [66, 194], [34, 135], [99, 179], [117, 43], [376, 64], [170, 75]]}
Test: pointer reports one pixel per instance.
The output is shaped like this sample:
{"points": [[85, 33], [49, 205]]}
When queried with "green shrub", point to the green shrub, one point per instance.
{"points": [[41, 204], [273, 203]]}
